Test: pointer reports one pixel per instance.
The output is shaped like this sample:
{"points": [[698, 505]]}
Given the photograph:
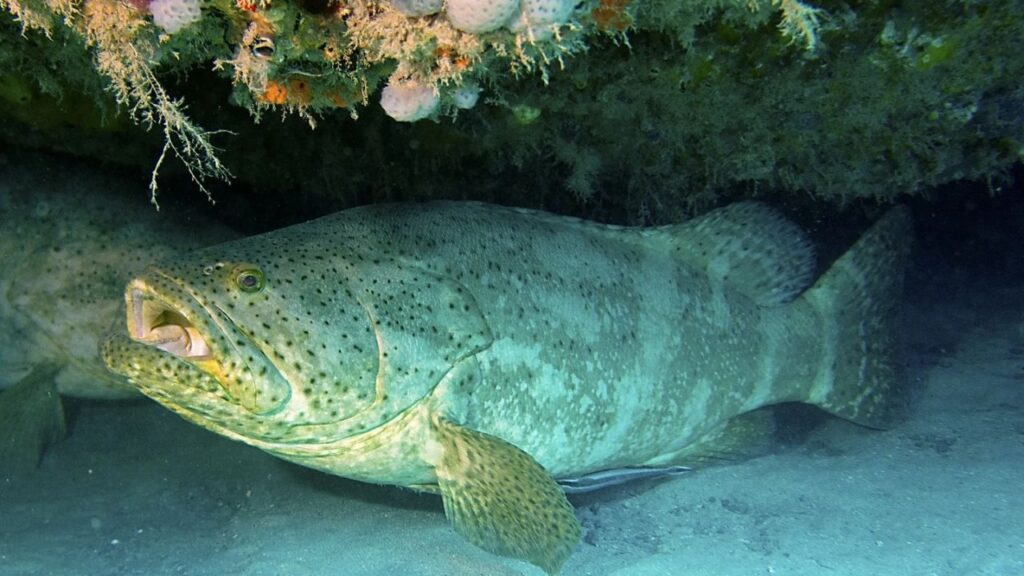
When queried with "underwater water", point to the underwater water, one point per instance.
{"points": [[134, 489]]}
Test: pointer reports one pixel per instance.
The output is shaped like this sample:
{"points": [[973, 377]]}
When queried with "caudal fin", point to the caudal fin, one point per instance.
{"points": [[858, 301]]}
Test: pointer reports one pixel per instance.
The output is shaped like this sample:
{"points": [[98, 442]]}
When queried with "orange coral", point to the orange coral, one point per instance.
{"points": [[448, 55], [296, 90], [611, 15], [275, 93], [338, 100], [299, 91]]}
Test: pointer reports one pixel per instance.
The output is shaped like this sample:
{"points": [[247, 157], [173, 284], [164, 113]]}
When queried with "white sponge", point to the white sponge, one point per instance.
{"points": [[408, 100], [540, 17], [476, 16], [466, 96], [417, 8], [173, 15]]}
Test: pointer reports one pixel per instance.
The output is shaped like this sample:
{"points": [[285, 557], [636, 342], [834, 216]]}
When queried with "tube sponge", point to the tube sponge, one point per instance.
{"points": [[540, 17], [465, 97], [476, 16], [409, 100], [173, 15], [416, 8]]}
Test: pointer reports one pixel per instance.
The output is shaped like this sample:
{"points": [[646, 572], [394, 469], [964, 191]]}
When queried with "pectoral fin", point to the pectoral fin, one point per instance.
{"points": [[31, 418], [502, 500]]}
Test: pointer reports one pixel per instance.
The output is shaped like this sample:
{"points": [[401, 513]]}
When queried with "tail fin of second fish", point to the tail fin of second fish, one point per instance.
{"points": [[858, 301]]}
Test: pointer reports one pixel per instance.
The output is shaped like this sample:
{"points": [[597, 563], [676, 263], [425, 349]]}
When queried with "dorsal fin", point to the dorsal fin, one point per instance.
{"points": [[749, 247]]}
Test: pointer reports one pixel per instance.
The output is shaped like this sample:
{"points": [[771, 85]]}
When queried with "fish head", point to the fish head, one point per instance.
{"points": [[251, 342], [65, 298]]}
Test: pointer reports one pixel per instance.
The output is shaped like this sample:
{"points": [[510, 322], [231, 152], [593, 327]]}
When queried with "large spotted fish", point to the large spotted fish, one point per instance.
{"points": [[485, 353], [69, 241]]}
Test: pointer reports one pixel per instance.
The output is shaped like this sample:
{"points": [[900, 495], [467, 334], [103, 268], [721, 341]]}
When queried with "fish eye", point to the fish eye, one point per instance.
{"points": [[250, 280]]}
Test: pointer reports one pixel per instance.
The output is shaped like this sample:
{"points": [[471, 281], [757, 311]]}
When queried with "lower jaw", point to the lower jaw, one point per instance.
{"points": [[147, 365]]}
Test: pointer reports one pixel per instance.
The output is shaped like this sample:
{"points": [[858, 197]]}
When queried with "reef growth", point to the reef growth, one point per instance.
{"points": [[644, 104]]}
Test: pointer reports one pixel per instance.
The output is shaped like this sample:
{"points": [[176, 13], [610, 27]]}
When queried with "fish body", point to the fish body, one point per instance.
{"points": [[484, 352], [68, 245], [67, 248]]}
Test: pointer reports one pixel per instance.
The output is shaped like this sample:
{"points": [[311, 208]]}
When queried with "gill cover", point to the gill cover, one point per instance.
{"points": [[392, 331], [423, 322]]}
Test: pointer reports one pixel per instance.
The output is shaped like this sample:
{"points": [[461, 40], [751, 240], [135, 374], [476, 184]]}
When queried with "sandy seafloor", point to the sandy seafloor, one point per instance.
{"points": [[136, 490]]}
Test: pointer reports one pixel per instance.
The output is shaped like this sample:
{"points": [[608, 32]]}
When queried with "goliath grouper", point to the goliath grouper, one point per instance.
{"points": [[484, 352], [68, 244]]}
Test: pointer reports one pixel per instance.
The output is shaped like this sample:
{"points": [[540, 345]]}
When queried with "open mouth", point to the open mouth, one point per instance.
{"points": [[166, 316], [155, 323]]}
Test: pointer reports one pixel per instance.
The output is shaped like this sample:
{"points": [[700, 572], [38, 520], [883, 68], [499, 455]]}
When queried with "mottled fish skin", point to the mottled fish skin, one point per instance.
{"points": [[67, 247], [362, 342], [590, 347]]}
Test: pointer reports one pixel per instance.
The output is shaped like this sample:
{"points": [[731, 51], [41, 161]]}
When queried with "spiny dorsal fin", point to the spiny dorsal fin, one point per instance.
{"points": [[501, 499], [748, 246]]}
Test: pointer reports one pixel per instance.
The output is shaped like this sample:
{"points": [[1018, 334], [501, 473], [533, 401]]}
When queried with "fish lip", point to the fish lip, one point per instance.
{"points": [[161, 322], [131, 368]]}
